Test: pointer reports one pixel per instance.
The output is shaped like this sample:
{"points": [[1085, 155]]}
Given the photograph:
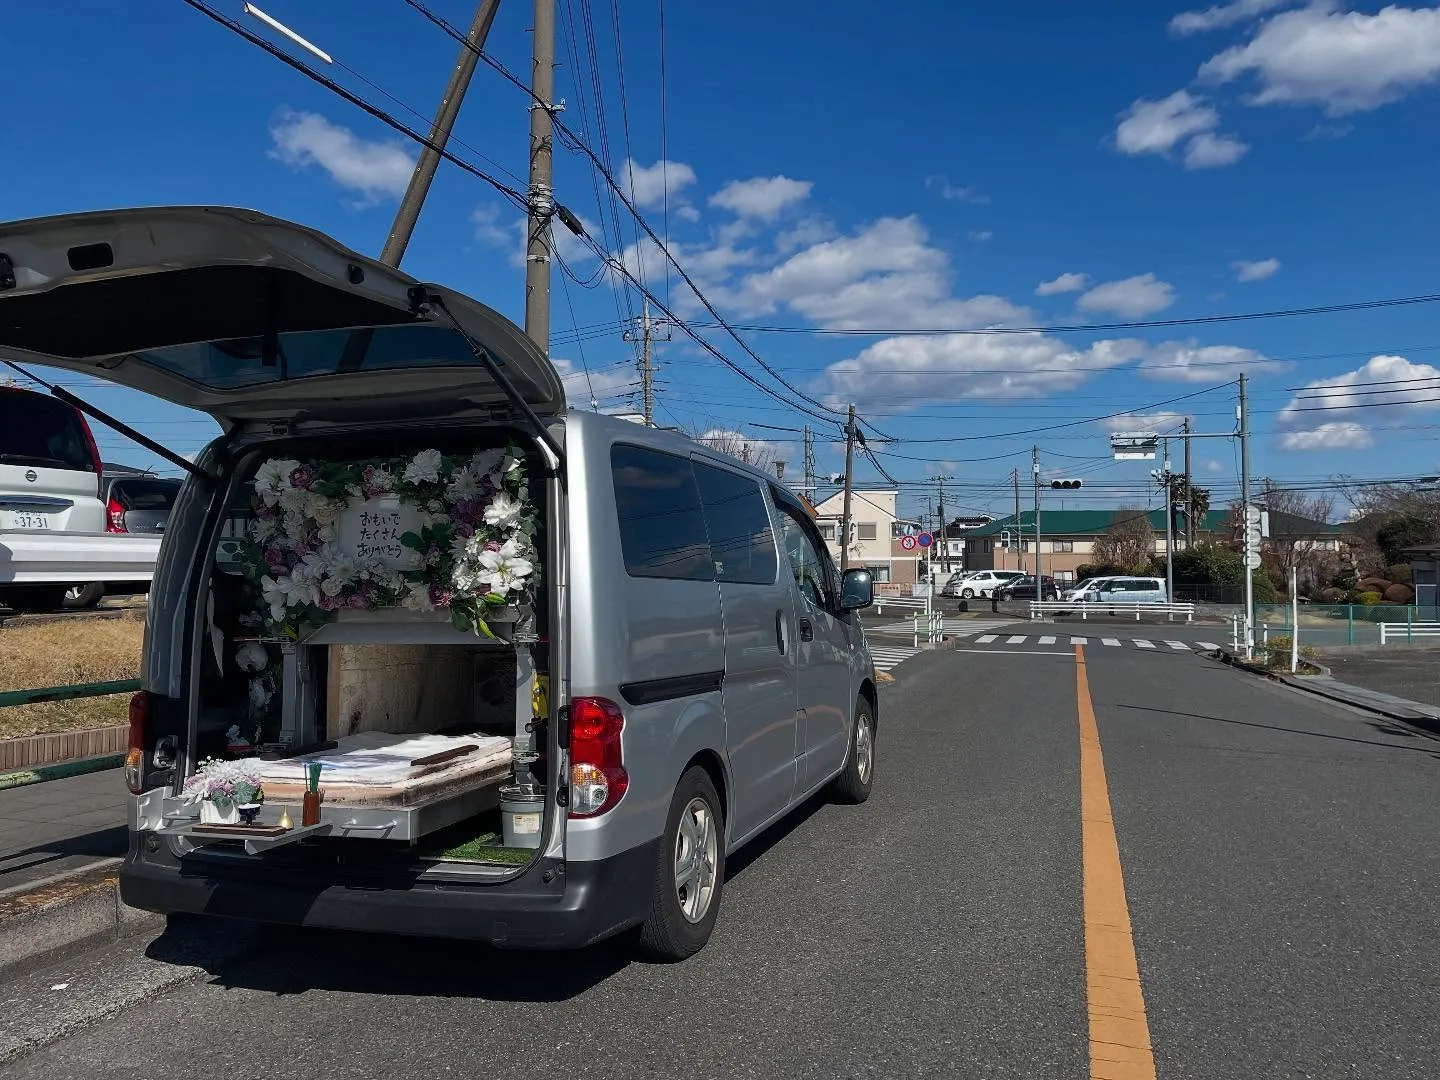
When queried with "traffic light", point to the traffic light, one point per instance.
{"points": [[1064, 485]]}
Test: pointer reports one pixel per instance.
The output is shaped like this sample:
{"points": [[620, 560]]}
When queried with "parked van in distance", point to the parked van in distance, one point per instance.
{"points": [[689, 669], [1121, 590]]}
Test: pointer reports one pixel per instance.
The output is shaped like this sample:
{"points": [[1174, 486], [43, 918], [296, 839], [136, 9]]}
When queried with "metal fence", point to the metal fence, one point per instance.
{"points": [[1210, 594], [1341, 624], [68, 693]]}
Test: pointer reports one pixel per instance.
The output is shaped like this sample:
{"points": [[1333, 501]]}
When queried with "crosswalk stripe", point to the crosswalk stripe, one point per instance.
{"points": [[985, 639], [1047, 641], [1177, 645], [1141, 643], [1207, 645], [1079, 641], [1016, 640], [1110, 641]]}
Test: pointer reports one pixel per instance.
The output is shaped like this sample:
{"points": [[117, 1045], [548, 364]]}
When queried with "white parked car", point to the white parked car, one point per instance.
{"points": [[980, 583]]}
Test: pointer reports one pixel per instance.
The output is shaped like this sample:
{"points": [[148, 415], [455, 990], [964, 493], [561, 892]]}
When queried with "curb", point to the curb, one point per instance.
{"points": [[60, 771], [42, 923]]}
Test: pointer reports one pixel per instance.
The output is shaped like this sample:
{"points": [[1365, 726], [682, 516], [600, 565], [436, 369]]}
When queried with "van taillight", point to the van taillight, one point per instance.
{"points": [[114, 517], [597, 762], [135, 756]]}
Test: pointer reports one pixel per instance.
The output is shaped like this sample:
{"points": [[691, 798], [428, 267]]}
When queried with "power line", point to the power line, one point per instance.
{"points": [[664, 144]]}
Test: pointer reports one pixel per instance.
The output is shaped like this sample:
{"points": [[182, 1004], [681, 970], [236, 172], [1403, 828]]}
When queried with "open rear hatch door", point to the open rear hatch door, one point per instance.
{"points": [[247, 317]]}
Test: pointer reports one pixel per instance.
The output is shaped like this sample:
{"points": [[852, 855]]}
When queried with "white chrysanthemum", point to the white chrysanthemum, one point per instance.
{"points": [[503, 511], [486, 461], [252, 657], [464, 484], [418, 599], [424, 468]]}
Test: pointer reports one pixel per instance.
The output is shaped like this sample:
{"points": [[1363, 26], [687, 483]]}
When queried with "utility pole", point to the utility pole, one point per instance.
{"points": [[809, 464], [1189, 493], [646, 335], [849, 484], [940, 533], [429, 160], [1035, 471], [1019, 560], [1169, 481], [1244, 417], [541, 197]]}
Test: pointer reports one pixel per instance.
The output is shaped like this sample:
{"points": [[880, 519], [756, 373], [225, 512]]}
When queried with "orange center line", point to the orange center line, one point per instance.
{"points": [[1119, 1034]]}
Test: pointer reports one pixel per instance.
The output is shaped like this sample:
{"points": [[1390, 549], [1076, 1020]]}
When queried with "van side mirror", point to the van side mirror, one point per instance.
{"points": [[857, 590]]}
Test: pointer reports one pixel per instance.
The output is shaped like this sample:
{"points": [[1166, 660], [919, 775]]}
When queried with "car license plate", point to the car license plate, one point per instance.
{"points": [[27, 519]]}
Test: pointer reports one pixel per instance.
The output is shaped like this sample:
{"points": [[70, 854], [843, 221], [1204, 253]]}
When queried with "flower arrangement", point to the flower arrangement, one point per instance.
{"points": [[225, 783], [472, 552]]}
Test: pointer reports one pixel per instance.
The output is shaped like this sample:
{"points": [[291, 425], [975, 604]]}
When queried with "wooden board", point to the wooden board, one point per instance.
{"points": [[239, 830], [401, 689]]}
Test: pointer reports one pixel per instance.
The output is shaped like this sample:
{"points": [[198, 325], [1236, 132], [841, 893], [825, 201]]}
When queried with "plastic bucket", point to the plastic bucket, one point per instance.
{"points": [[522, 810]]}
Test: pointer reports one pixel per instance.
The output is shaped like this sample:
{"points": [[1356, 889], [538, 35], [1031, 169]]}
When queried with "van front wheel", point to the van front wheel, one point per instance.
{"points": [[690, 873], [858, 777]]}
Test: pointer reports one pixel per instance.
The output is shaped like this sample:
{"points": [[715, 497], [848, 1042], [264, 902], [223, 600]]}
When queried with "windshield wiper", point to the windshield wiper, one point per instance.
{"points": [[115, 425], [37, 460]]}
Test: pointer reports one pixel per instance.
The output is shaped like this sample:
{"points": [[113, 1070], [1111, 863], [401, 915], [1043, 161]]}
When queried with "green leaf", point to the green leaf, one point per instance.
{"points": [[495, 600], [484, 628], [413, 541], [459, 619]]}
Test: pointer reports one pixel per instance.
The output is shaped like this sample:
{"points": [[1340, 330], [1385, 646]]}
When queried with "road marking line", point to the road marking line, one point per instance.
{"points": [[985, 639], [1079, 641], [1119, 1034], [1018, 639], [1024, 652], [1141, 643], [1207, 645], [1047, 641], [1177, 645], [1110, 641]]}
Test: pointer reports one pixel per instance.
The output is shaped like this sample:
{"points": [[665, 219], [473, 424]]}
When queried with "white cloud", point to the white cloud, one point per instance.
{"points": [[885, 274], [747, 447], [1212, 466], [599, 384], [1222, 15], [909, 371], [1340, 435], [1155, 421], [763, 197], [489, 230], [1188, 361], [686, 212], [1132, 298], [811, 230], [1062, 284], [647, 183], [375, 169], [980, 236], [1154, 127], [1259, 270], [954, 193], [1210, 151], [1344, 61], [1384, 386]]}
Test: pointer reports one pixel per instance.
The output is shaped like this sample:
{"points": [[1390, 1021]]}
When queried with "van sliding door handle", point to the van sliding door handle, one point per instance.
{"points": [[807, 630], [780, 631]]}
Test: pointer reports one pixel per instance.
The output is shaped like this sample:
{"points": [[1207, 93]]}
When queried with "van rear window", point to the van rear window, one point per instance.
{"points": [[39, 431], [662, 525]]}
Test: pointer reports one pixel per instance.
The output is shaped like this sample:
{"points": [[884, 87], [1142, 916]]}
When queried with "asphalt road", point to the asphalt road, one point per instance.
{"points": [[1279, 859]]}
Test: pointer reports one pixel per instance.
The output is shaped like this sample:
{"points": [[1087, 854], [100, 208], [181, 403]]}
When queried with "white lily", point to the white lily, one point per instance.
{"points": [[273, 478], [503, 510], [506, 569]]}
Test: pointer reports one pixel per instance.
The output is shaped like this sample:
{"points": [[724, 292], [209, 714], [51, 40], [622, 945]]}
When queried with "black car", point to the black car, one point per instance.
{"points": [[1024, 589], [137, 503]]}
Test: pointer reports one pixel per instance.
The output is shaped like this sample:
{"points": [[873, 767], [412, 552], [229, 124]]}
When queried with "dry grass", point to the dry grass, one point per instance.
{"points": [[61, 653]]}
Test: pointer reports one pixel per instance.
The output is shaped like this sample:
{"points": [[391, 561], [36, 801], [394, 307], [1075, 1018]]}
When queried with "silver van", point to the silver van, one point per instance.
{"points": [[427, 653], [1122, 590]]}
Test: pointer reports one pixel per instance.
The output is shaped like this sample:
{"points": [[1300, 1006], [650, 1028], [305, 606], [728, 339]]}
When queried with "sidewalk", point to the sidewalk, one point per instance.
{"points": [[60, 827]]}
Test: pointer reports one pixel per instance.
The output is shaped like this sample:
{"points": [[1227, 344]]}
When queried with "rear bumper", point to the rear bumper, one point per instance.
{"points": [[580, 903]]}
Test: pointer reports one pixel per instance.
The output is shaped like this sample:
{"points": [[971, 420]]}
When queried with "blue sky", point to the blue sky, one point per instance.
{"points": [[969, 166]]}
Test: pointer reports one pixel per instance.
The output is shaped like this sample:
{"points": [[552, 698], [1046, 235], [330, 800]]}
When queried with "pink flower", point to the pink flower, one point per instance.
{"points": [[486, 483], [274, 558], [302, 477], [329, 603], [493, 545], [440, 597], [356, 602], [465, 530], [267, 513]]}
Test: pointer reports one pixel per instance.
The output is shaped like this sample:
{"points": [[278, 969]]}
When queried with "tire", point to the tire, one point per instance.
{"points": [[81, 597], [681, 918], [967, 594], [857, 779]]}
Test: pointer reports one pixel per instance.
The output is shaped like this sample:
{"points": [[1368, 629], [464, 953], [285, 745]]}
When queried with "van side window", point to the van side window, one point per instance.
{"points": [[741, 543], [662, 525]]}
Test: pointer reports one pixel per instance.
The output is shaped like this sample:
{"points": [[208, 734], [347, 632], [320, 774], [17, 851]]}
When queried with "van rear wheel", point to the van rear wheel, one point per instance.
{"points": [[858, 777], [690, 873]]}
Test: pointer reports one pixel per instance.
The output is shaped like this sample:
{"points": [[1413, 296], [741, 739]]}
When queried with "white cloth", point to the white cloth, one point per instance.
{"points": [[376, 757]]}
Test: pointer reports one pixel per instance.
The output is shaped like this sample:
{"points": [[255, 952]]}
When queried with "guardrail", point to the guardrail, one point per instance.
{"points": [[1064, 607], [1407, 631], [68, 693], [909, 603]]}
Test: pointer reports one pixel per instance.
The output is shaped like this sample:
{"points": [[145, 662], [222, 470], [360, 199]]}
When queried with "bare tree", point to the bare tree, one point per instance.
{"points": [[1389, 518], [754, 452], [1295, 541], [1129, 541]]}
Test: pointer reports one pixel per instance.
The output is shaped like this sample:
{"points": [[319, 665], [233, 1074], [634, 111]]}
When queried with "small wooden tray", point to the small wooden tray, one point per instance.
{"points": [[240, 830], [444, 756]]}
